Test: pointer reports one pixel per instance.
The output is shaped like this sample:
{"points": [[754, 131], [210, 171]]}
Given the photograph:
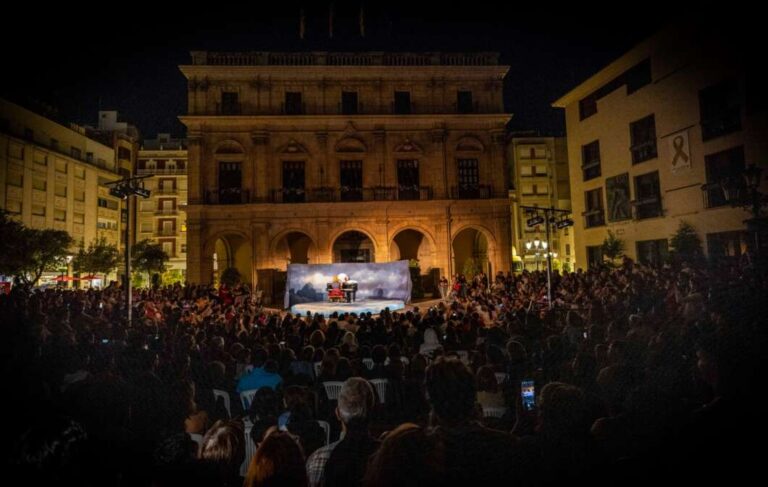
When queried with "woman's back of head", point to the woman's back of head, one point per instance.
{"points": [[279, 461]]}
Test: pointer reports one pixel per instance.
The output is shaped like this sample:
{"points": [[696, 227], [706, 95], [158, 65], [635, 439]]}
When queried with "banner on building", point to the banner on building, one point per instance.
{"points": [[679, 152]]}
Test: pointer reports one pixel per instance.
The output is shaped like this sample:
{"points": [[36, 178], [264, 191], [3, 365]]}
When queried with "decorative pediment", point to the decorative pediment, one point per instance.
{"points": [[469, 143], [292, 147], [408, 146], [229, 147], [350, 144]]}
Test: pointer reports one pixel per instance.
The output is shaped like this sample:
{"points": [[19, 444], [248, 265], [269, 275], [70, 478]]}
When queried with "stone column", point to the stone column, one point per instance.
{"points": [[199, 265], [440, 191], [195, 189], [322, 171], [261, 171], [380, 147], [499, 174]]}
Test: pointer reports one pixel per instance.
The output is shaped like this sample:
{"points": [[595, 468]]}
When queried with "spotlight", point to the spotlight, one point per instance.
{"points": [[117, 192], [536, 220], [144, 193]]}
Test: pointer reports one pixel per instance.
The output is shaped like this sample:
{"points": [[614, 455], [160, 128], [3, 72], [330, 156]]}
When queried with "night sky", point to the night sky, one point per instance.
{"points": [[79, 62]]}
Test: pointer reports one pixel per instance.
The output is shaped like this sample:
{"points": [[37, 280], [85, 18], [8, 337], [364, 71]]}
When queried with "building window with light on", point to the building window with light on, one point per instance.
{"points": [[595, 212], [643, 139]]}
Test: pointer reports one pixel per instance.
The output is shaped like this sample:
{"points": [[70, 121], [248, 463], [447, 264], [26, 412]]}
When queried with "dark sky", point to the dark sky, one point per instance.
{"points": [[102, 57]]}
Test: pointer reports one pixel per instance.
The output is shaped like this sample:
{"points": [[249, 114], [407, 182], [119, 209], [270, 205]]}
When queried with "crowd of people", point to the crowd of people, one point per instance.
{"points": [[636, 371]]}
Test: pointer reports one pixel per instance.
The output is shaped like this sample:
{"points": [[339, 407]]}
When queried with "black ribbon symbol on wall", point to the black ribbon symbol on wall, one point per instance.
{"points": [[677, 143]]}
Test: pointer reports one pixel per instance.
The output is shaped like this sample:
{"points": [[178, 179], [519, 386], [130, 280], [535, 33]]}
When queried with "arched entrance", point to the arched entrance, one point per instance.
{"points": [[294, 248], [353, 246], [410, 244], [232, 250], [470, 253]]}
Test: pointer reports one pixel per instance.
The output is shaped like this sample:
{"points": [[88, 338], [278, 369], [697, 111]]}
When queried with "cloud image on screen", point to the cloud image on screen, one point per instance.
{"points": [[306, 283]]}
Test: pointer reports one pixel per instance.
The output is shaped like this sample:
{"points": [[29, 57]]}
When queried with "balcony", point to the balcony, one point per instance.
{"points": [[229, 196], [475, 192], [161, 172], [167, 212], [164, 232], [388, 108], [165, 191]]}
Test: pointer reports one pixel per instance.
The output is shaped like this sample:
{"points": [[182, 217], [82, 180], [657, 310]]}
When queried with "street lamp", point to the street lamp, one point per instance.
{"points": [[125, 189], [552, 217]]}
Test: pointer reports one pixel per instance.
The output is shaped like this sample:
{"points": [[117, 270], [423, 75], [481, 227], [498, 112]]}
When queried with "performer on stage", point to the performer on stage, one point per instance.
{"points": [[350, 289]]}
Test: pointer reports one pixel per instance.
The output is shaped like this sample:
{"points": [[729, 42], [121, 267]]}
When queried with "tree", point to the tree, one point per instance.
{"points": [[613, 247], [471, 267], [101, 257], [230, 276], [148, 257], [685, 243], [28, 252]]}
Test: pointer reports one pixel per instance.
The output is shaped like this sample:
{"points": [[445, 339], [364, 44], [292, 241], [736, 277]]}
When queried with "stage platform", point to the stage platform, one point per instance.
{"points": [[373, 306]]}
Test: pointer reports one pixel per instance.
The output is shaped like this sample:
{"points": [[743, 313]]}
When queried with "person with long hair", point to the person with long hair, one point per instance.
{"points": [[279, 461]]}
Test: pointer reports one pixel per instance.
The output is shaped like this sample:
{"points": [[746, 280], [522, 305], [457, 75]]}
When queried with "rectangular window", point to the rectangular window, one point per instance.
{"points": [[60, 190], [617, 195], [61, 166], [41, 158], [230, 183], [351, 178], [15, 179], [230, 105], [526, 170], [723, 167], [54, 144], [76, 153], [727, 245], [402, 102], [643, 136], [720, 108], [146, 227], [294, 182], [647, 196], [183, 248], [89, 157], [587, 107], [78, 217], [652, 252], [39, 184], [567, 249], [14, 207], [79, 172], [293, 103], [60, 215], [590, 160], [464, 102], [124, 153], [349, 103], [80, 195], [469, 178], [408, 182], [638, 76], [595, 212], [38, 210], [594, 255]]}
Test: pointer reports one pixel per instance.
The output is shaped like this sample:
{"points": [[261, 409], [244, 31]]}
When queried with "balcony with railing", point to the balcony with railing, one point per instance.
{"points": [[325, 58], [166, 211], [475, 192], [166, 232], [165, 191], [168, 171], [414, 108]]}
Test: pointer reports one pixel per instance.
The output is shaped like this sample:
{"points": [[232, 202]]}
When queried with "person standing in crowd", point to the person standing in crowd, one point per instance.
{"points": [[444, 285]]}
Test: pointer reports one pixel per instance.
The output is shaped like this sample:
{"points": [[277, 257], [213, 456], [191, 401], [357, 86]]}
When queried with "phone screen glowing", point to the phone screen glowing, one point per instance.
{"points": [[527, 391]]}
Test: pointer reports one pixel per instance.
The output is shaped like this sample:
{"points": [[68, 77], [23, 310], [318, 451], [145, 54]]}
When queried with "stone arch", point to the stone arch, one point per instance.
{"points": [[236, 248], [288, 247], [376, 248], [427, 249], [229, 147], [476, 241]]}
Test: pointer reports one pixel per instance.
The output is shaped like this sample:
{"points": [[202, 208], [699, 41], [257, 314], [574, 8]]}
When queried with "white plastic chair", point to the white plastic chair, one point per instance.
{"points": [[246, 398], [501, 377], [368, 362], [327, 428], [218, 393], [333, 389], [197, 438], [250, 447], [494, 412], [381, 388]]}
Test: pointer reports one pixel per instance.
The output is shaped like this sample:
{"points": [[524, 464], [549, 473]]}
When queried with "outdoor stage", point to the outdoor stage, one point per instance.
{"points": [[373, 306]]}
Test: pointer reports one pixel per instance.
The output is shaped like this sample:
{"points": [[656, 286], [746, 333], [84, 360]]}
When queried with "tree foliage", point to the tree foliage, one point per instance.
{"points": [[685, 243], [230, 276], [613, 247], [148, 257], [100, 257], [28, 252]]}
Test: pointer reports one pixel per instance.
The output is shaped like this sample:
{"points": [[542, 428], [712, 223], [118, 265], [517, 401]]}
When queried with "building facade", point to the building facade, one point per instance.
{"points": [[645, 134], [52, 176], [540, 172], [162, 217], [328, 157]]}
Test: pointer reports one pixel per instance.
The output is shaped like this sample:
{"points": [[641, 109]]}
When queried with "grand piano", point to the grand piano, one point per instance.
{"points": [[350, 289]]}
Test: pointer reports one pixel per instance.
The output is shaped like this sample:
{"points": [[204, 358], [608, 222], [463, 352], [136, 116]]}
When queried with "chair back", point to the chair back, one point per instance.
{"points": [[333, 389], [250, 447], [246, 398], [218, 393], [381, 388], [501, 377], [494, 412], [327, 428], [368, 362], [197, 438]]}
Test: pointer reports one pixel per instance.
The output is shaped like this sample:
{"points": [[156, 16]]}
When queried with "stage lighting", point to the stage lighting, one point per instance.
{"points": [[567, 222], [141, 192], [536, 220], [117, 192]]}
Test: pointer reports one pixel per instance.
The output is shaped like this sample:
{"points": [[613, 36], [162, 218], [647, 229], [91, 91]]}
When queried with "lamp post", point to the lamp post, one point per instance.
{"points": [[551, 217], [126, 189], [69, 263]]}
